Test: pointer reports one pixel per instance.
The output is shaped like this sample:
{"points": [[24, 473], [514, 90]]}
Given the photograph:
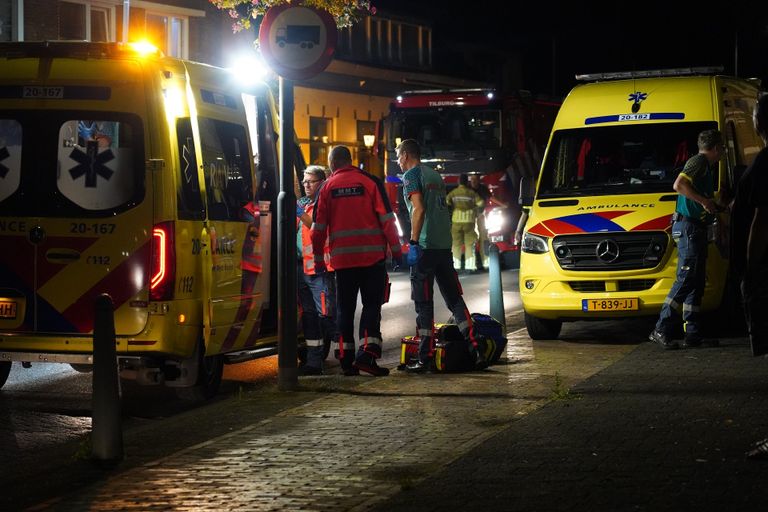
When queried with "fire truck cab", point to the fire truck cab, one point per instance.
{"points": [[472, 131]]}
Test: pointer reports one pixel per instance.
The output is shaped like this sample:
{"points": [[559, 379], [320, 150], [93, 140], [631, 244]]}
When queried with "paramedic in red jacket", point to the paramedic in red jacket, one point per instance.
{"points": [[354, 213]]}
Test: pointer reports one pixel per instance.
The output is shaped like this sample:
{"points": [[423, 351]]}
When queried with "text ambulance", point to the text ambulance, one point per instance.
{"points": [[129, 173], [597, 243]]}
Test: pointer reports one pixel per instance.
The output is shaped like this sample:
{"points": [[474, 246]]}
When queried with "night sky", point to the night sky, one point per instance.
{"points": [[481, 39]]}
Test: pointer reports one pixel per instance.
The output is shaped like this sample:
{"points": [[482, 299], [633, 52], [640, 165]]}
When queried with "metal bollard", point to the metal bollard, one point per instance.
{"points": [[106, 428], [495, 289]]}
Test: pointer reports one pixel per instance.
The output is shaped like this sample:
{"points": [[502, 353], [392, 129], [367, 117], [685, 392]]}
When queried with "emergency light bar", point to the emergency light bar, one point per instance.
{"points": [[652, 73], [75, 49]]}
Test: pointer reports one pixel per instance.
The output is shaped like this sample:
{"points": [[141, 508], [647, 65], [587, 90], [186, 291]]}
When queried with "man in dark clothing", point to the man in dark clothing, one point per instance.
{"points": [[694, 211], [429, 255], [749, 238]]}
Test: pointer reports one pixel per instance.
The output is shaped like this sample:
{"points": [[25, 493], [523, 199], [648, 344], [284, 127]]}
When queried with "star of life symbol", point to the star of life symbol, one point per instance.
{"points": [[637, 97], [3, 155], [91, 164]]}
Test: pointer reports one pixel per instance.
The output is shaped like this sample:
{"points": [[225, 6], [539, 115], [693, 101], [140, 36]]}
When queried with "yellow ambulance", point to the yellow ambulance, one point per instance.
{"points": [[147, 178], [597, 243]]}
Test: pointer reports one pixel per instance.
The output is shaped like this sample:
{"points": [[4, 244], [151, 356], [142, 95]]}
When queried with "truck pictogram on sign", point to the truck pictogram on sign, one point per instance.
{"points": [[305, 36]]}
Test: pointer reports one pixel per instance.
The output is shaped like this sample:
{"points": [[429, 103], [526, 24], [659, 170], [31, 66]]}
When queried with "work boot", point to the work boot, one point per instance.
{"points": [[663, 340], [419, 367], [759, 452], [698, 341], [366, 363], [478, 358], [306, 370]]}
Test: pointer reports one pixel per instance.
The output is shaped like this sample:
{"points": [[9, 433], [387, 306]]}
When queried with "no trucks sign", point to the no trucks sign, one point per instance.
{"points": [[297, 41]]}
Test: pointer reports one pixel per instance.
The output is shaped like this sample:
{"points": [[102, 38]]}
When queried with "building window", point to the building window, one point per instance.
{"points": [[167, 32], [388, 42], [319, 140], [6, 21], [85, 22], [365, 128]]}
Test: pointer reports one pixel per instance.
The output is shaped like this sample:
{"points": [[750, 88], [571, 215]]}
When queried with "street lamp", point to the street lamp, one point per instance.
{"points": [[368, 141]]}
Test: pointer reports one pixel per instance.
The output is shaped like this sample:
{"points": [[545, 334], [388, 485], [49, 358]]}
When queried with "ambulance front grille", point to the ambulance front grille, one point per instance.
{"points": [[610, 251], [623, 285]]}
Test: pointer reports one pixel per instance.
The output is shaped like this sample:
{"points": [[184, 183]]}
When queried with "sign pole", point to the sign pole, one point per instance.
{"points": [[287, 372], [298, 43]]}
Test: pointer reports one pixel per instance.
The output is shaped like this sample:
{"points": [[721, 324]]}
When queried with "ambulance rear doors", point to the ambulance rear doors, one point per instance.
{"points": [[75, 203]]}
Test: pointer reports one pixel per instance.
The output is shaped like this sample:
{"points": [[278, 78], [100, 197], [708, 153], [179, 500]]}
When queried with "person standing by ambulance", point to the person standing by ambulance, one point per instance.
{"points": [[694, 212], [749, 238], [354, 214], [316, 295], [466, 204], [429, 255]]}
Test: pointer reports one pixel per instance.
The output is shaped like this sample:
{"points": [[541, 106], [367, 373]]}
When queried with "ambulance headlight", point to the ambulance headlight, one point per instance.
{"points": [[494, 221], [534, 244]]}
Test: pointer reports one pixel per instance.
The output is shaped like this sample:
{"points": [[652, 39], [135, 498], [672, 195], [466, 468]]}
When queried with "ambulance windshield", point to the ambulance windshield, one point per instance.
{"points": [[608, 160]]}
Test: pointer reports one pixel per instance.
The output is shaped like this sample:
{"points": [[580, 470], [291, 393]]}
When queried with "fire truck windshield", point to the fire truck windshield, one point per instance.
{"points": [[448, 129]]}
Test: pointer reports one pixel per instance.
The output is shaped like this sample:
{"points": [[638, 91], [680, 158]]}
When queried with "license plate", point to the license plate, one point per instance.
{"points": [[42, 93], [8, 309], [610, 304]]}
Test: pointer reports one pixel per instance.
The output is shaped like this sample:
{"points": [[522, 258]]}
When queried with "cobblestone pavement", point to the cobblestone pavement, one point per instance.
{"points": [[353, 447]]}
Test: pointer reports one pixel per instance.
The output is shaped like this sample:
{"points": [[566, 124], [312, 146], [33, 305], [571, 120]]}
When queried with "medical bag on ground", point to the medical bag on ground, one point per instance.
{"points": [[489, 328], [409, 351], [451, 350]]}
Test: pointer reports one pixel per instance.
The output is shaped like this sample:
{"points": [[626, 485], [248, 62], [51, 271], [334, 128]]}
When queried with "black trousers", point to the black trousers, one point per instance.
{"points": [[437, 265], [754, 289], [371, 283]]}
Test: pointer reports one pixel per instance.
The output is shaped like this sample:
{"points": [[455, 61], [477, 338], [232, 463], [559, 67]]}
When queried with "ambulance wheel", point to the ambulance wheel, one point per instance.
{"points": [[82, 368], [5, 369], [209, 373], [541, 329]]}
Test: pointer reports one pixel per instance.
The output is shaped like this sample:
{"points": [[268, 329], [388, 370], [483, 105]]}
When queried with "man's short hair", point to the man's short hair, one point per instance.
{"points": [[316, 171], [708, 139], [760, 114], [339, 157], [463, 179], [410, 147]]}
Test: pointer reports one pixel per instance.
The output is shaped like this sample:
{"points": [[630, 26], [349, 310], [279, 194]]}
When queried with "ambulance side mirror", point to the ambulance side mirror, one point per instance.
{"points": [[527, 191]]}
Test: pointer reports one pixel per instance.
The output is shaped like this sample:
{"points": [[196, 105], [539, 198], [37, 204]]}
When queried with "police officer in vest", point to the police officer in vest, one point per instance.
{"points": [[316, 290], [694, 212], [354, 214]]}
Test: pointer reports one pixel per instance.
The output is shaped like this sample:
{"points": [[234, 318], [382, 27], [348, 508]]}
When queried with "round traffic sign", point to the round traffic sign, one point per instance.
{"points": [[297, 41]]}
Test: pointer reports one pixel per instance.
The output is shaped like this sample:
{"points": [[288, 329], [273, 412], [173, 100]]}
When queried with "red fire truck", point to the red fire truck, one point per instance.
{"points": [[472, 131]]}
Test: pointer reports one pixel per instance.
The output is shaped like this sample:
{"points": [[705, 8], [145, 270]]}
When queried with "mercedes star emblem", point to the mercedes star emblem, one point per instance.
{"points": [[607, 251]]}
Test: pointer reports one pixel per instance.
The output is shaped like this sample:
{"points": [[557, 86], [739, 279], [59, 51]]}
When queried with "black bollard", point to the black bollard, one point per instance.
{"points": [[106, 428], [495, 289]]}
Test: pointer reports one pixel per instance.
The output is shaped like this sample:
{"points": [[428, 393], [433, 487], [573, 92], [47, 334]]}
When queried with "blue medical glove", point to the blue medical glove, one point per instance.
{"points": [[299, 210], [414, 253]]}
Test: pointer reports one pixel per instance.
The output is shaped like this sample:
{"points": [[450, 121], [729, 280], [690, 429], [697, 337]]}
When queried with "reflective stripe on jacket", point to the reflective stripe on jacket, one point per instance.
{"points": [[252, 244], [307, 254], [465, 203], [353, 213]]}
